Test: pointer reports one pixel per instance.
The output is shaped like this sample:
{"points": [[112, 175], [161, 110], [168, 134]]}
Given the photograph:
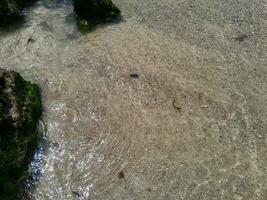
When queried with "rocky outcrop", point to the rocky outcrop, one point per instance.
{"points": [[20, 110], [95, 11], [11, 10], [89, 12]]}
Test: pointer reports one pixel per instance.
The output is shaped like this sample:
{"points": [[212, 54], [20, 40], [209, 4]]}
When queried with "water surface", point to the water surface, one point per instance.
{"points": [[192, 125]]}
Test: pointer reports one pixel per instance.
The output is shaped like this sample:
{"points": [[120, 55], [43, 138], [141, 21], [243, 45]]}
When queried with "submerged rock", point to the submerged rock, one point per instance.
{"points": [[96, 11], [11, 10], [20, 110]]}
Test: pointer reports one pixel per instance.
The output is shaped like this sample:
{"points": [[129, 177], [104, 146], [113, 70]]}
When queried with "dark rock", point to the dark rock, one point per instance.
{"points": [[20, 110], [96, 10], [121, 174], [134, 75], [11, 10], [30, 40], [76, 193], [242, 37]]}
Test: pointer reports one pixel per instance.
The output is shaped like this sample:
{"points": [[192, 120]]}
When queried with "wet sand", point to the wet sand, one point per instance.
{"points": [[191, 125]]}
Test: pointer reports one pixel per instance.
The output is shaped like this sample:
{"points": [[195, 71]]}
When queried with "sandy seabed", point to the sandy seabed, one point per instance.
{"points": [[192, 125]]}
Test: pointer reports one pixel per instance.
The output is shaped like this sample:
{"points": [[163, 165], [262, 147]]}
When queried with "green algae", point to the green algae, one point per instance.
{"points": [[84, 25], [18, 135]]}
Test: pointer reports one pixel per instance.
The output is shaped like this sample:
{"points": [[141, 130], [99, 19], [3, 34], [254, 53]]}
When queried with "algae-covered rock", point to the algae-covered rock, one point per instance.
{"points": [[11, 10], [20, 110], [96, 10]]}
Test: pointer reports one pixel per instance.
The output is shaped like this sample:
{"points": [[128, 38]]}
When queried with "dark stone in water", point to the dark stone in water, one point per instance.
{"points": [[89, 12], [9, 11], [95, 11], [134, 76], [76, 193], [30, 40], [55, 145], [242, 37], [12, 10], [121, 174], [20, 110]]}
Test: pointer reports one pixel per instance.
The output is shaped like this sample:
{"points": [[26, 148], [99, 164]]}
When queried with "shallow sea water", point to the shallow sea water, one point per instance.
{"points": [[192, 125]]}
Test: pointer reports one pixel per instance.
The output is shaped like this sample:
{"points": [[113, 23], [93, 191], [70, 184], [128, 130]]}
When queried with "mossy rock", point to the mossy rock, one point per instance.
{"points": [[11, 10], [95, 12], [20, 110]]}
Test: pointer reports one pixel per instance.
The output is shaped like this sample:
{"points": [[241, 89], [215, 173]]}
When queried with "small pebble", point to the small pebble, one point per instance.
{"points": [[76, 193], [204, 106], [30, 40], [55, 145], [121, 174], [134, 76], [176, 105]]}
